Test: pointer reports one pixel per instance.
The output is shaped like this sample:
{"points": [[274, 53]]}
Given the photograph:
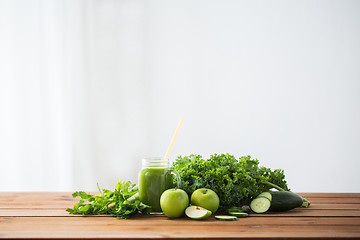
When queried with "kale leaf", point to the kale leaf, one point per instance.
{"points": [[235, 181], [122, 203]]}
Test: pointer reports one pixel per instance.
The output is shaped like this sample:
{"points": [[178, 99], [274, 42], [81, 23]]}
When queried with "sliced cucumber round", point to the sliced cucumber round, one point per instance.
{"points": [[260, 204], [234, 209], [239, 214], [244, 209], [266, 194], [226, 218]]}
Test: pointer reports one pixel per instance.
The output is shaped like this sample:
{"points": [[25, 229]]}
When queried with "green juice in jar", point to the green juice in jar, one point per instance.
{"points": [[154, 178]]}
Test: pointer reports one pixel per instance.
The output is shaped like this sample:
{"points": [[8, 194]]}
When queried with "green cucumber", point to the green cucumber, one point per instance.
{"points": [[226, 218], [244, 209], [284, 200], [305, 203], [239, 214], [260, 205]]}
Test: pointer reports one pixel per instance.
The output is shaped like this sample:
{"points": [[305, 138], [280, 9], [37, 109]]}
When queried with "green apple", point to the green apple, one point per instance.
{"points": [[196, 212], [173, 202], [205, 198]]}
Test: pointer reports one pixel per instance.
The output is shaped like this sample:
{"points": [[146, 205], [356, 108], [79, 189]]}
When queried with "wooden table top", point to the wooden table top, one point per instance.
{"points": [[42, 215]]}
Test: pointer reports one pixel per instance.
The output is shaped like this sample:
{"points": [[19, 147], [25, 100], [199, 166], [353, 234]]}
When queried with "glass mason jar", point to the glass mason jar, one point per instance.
{"points": [[154, 178]]}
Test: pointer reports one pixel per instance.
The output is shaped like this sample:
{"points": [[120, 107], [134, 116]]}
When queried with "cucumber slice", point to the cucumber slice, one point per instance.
{"points": [[266, 194], [260, 204], [239, 214], [226, 218], [234, 209], [244, 209]]}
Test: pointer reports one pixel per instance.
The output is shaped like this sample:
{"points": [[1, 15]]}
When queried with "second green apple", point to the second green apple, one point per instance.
{"points": [[205, 198]]}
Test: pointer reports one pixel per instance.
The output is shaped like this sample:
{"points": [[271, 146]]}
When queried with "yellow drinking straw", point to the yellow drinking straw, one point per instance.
{"points": [[173, 140]]}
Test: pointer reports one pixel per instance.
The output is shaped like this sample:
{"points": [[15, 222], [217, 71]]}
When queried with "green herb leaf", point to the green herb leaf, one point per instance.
{"points": [[121, 203]]}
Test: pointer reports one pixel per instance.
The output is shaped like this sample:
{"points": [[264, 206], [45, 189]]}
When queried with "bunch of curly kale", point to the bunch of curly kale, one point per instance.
{"points": [[236, 181]]}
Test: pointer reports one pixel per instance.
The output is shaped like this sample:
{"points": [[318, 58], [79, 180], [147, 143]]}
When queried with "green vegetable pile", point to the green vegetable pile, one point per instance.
{"points": [[122, 203], [236, 181]]}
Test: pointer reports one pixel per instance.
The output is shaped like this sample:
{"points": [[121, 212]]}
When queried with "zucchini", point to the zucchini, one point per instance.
{"points": [[284, 200], [226, 218], [260, 205]]}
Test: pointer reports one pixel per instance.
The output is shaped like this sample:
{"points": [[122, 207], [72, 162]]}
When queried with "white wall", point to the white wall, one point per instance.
{"points": [[278, 80]]}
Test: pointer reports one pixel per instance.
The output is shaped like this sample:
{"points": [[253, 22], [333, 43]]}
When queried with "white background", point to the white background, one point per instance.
{"points": [[88, 88]]}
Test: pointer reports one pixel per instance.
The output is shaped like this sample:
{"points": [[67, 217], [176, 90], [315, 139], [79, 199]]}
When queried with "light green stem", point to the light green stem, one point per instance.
{"points": [[274, 186]]}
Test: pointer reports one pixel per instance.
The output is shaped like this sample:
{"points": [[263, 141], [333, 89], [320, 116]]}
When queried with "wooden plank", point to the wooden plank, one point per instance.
{"points": [[316, 206], [157, 220], [65, 200], [330, 216], [334, 200], [300, 212], [312, 213], [36, 200], [34, 212], [162, 227]]}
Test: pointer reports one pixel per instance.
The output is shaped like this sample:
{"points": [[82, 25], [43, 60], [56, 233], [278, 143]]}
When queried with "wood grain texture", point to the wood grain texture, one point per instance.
{"points": [[36, 200], [64, 199], [59, 212], [43, 215], [160, 227]]}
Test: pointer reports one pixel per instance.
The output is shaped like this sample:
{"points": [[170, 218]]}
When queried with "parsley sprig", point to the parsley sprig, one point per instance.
{"points": [[122, 203]]}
